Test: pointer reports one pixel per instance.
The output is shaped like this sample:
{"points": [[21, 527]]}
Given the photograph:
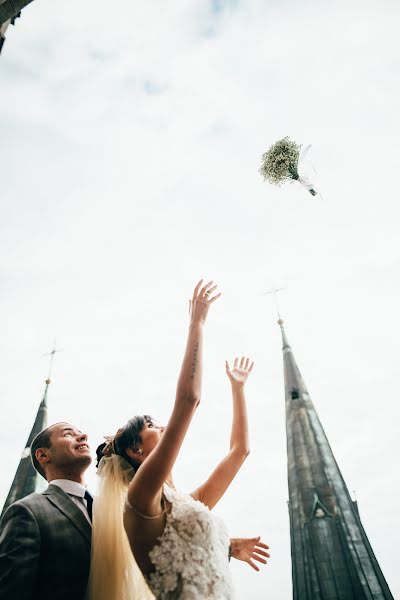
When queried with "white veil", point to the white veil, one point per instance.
{"points": [[114, 574]]}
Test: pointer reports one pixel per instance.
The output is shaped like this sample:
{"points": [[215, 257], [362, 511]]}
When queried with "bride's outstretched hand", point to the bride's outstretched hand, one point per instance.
{"points": [[240, 372], [249, 550], [203, 297]]}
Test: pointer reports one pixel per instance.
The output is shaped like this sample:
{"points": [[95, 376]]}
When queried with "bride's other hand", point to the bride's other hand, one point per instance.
{"points": [[203, 297], [240, 372], [220, 479]]}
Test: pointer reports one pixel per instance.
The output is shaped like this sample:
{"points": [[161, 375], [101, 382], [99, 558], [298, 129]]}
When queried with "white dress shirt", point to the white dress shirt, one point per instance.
{"points": [[76, 491]]}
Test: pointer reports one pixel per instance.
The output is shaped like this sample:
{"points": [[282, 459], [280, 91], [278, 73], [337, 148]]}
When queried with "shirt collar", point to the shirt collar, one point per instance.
{"points": [[70, 487]]}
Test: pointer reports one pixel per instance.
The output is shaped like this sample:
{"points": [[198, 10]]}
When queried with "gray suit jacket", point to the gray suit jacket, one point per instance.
{"points": [[45, 544]]}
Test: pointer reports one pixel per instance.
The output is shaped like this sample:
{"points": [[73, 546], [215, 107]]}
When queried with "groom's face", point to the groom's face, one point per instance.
{"points": [[69, 447]]}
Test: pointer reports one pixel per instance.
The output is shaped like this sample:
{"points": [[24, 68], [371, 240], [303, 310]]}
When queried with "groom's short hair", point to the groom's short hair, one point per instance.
{"points": [[42, 440]]}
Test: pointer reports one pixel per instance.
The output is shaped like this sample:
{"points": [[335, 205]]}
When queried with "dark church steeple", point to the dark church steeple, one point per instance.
{"points": [[26, 479], [332, 558]]}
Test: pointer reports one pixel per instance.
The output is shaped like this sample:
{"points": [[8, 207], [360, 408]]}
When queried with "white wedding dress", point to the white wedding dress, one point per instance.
{"points": [[191, 557]]}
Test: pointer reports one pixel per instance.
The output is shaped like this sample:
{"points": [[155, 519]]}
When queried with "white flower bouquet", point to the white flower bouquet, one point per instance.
{"points": [[281, 163]]}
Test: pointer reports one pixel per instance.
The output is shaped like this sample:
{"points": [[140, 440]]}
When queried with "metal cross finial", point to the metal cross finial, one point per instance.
{"points": [[274, 292], [51, 354]]}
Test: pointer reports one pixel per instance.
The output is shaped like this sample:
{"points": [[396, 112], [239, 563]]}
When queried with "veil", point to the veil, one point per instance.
{"points": [[114, 574]]}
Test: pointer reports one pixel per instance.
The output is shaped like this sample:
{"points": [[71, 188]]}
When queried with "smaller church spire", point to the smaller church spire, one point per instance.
{"points": [[26, 479]]}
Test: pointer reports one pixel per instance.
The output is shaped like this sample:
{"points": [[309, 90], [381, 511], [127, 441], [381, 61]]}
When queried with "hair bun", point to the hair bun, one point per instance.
{"points": [[100, 453]]}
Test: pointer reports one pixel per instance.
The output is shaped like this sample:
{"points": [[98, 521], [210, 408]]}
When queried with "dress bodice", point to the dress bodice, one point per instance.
{"points": [[191, 556]]}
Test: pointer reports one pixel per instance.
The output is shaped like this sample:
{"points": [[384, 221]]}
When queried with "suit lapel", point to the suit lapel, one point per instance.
{"points": [[64, 503]]}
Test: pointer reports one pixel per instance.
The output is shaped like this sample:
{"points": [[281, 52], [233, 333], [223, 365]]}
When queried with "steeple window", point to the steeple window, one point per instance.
{"points": [[319, 511]]}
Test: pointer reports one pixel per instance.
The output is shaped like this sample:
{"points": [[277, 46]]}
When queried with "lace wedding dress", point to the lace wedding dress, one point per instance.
{"points": [[191, 557]]}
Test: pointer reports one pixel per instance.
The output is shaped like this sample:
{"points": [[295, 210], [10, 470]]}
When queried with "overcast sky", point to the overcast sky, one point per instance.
{"points": [[130, 141]]}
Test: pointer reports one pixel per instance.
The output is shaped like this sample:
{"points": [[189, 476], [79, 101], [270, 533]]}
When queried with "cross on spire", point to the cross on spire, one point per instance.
{"points": [[274, 292], [51, 354]]}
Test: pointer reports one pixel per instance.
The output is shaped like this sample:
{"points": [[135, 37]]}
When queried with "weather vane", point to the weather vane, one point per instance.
{"points": [[51, 354]]}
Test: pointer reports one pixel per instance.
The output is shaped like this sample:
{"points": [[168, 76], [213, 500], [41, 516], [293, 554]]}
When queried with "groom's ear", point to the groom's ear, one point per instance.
{"points": [[42, 455]]}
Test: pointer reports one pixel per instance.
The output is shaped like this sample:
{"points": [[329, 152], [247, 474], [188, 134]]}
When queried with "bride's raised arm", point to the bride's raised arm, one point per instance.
{"points": [[216, 485], [145, 491]]}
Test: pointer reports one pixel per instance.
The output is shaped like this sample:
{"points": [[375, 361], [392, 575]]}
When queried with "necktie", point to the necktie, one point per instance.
{"points": [[89, 502]]}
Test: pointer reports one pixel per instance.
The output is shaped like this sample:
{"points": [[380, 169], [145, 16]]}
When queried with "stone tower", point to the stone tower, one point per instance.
{"points": [[332, 558]]}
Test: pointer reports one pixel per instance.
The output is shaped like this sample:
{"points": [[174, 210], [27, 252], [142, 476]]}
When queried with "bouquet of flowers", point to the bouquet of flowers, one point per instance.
{"points": [[281, 163]]}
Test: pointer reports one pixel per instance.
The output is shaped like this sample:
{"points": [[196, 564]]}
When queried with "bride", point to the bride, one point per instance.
{"points": [[181, 549]]}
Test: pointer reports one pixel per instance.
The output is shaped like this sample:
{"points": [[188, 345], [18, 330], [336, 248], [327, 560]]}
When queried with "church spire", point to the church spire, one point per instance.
{"points": [[331, 554], [26, 479]]}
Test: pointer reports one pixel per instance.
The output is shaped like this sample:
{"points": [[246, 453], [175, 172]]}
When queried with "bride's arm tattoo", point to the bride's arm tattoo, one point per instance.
{"points": [[194, 360]]}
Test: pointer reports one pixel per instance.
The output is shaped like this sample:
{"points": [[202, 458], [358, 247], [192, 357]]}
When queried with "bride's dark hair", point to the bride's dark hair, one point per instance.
{"points": [[126, 437]]}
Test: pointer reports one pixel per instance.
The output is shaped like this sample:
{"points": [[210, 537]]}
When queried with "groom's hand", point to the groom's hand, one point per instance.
{"points": [[249, 550]]}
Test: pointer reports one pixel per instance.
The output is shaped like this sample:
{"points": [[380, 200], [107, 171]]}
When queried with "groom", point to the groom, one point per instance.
{"points": [[45, 539]]}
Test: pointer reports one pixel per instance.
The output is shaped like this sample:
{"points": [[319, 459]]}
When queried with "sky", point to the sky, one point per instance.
{"points": [[130, 143]]}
